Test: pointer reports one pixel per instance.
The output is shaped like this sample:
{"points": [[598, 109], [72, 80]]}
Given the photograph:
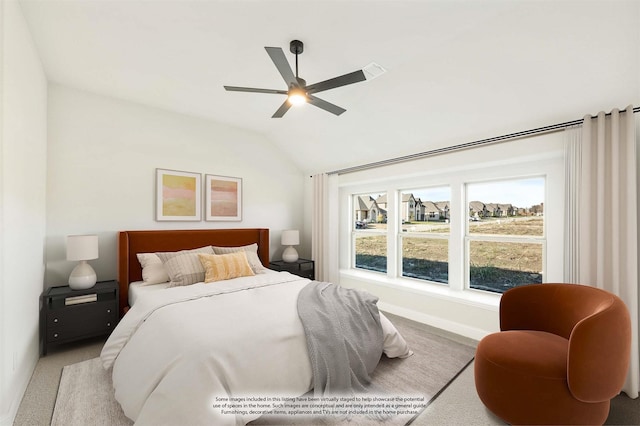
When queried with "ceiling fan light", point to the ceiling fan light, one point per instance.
{"points": [[297, 97]]}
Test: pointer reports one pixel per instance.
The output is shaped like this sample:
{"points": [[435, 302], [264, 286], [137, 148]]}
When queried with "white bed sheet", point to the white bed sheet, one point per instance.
{"points": [[138, 289], [249, 341]]}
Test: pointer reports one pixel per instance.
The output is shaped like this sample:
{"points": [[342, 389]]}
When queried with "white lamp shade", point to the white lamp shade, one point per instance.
{"points": [[82, 247], [290, 237]]}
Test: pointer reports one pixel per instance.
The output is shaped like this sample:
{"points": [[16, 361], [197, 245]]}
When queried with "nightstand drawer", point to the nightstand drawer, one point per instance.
{"points": [[75, 322]]}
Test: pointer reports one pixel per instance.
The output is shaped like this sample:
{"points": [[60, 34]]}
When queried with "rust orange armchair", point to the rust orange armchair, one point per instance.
{"points": [[561, 355]]}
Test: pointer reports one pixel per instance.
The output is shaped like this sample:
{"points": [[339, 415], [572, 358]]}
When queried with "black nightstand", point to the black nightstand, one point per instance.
{"points": [[69, 315], [302, 267]]}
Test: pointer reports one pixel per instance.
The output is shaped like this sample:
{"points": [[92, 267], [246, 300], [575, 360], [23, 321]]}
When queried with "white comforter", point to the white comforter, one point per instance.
{"points": [[176, 350]]}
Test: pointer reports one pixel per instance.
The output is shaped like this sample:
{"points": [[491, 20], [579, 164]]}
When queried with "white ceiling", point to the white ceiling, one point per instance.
{"points": [[457, 71]]}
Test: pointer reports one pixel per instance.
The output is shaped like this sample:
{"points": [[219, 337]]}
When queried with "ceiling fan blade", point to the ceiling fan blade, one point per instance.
{"points": [[281, 63], [254, 90], [332, 83], [282, 110], [327, 106]]}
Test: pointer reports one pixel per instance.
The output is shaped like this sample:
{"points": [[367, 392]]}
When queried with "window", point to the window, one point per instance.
{"points": [[469, 225], [501, 240], [505, 233], [425, 223], [486, 246], [370, 231]]}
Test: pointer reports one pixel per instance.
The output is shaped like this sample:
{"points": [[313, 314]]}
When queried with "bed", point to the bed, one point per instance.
{"points": [[180, 350], [130, 243]]}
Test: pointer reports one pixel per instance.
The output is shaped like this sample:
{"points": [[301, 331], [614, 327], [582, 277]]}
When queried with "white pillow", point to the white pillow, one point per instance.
{"points": [[153, 271], [251, 252]]}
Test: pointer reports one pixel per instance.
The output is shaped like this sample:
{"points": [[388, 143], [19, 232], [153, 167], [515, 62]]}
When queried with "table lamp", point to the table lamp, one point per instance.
{"points": [[290, 238], [82, 248]]}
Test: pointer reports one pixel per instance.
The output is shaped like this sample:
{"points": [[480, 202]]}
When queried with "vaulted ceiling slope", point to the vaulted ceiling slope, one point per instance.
{"points": [[457, 71]]}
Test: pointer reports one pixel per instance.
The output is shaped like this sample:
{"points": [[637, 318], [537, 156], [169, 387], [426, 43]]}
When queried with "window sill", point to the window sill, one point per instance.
{"points": [[476, 298]]}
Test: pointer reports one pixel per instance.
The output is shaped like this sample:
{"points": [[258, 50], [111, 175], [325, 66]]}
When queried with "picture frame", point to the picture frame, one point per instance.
{"points": [[223, 198], [178, 195]]}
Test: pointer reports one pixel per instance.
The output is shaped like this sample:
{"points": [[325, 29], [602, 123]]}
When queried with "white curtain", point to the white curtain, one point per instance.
{"points": [[601, 223], [573, 159], [324, 227]]}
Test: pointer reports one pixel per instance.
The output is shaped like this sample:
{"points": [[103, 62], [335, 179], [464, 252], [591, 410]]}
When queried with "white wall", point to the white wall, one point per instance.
{"points": [[102, 156], [23, 121]]}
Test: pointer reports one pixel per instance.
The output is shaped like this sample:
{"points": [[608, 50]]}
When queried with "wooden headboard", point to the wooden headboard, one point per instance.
{"points": [[130, 243]]}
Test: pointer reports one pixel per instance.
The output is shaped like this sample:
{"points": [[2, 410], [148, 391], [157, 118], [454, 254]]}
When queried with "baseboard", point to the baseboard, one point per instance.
{"points": [[443, 324]]}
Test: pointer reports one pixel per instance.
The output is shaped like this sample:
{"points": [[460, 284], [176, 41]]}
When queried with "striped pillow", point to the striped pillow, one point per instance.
{"points": [[184, 267], [251, 252], [225, 266]]}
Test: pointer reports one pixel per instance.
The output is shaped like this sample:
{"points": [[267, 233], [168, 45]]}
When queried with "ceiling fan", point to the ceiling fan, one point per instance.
{"points": [[297, 90]]}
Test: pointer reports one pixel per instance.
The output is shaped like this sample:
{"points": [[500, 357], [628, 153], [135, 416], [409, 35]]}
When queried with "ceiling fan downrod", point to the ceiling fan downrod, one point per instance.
{"points": [[296, 47]]}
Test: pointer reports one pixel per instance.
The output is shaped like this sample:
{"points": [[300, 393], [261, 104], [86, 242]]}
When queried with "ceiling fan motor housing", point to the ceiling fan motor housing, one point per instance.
{"points": [[296, 47]]}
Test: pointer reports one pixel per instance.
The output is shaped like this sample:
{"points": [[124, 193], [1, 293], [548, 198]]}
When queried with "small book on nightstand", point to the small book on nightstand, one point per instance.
{"points": [[85, 298]]}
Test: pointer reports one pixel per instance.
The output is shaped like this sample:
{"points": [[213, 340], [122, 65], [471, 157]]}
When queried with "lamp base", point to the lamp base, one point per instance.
{"points": [[290, 255], [82, 277]]}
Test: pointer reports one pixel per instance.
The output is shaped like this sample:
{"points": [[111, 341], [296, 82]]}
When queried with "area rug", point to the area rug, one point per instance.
{"points": [[85, 395]]}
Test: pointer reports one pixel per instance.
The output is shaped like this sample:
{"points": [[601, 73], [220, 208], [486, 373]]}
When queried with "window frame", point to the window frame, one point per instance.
{"points": [[547, 164]]}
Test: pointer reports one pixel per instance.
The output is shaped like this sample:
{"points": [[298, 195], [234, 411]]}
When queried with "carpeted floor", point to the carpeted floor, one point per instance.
{"points": [[39, 399], [457, 404]]}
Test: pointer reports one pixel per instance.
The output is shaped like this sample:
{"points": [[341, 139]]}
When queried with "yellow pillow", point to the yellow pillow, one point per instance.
{"points": [[218, 267]]}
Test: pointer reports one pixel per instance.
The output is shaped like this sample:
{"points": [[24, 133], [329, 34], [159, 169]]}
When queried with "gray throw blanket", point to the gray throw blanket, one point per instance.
{"points": [[344, 337]]}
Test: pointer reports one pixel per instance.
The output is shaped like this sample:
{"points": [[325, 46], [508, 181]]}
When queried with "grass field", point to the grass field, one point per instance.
{"points": [[494, 266]]}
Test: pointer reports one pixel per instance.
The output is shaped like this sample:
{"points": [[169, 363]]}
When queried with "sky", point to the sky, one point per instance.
{"points": [[518, 192]]}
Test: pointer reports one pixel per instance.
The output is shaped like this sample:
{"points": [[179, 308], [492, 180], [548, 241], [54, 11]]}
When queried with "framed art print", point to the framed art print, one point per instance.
{"points": [[223, 198], [178, 195]]}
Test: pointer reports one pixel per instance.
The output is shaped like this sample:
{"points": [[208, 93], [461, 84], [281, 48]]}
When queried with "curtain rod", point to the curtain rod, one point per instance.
{"points": [[467, 145]]}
